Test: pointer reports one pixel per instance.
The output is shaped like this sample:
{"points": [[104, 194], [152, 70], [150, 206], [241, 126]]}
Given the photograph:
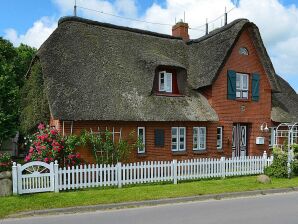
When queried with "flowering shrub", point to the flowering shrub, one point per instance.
{"points": [[5, 162], [48, 145]]}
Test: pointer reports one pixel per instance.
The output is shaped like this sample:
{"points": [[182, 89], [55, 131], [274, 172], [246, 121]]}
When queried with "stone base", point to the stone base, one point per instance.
{"points": [[5, 184]]}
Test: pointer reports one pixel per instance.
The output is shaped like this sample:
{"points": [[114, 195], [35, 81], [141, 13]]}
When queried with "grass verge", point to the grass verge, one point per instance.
{"points": [[14, 204]]}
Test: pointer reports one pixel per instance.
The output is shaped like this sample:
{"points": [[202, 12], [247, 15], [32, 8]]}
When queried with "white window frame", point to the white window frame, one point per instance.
{"points": [[167, 80], [178, 142], [142, 150], [219, 146], [198, 138], [240, 90], [272, 136]]}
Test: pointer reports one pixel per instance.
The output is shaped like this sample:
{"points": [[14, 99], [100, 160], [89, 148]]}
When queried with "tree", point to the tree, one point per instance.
{"points": [[14, 63], [9, 92]]}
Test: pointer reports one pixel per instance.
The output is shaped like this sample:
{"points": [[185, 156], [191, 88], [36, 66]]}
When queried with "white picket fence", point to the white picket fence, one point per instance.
{"points": [[85, 176]]}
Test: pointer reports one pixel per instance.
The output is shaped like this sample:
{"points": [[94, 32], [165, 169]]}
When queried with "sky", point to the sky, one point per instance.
{"points": [[32, 21]]}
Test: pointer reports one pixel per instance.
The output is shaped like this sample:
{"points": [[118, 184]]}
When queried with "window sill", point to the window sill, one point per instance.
{"points": [[143, 154], [200, 151], [179, 153], [243, 100], [169, 94]]}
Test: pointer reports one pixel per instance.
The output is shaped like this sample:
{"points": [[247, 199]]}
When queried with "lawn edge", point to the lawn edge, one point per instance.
{"points": [[144, 203]]}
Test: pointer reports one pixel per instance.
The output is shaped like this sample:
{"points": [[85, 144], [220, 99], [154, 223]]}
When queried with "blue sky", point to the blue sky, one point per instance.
{"points": [[32, 21]]}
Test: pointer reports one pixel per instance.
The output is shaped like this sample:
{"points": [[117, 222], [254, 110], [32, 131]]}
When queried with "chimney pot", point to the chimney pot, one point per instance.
{"points": [[180, 29]]}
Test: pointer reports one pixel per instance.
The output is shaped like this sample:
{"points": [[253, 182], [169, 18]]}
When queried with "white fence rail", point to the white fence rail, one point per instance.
{"points": [[85, 176]]}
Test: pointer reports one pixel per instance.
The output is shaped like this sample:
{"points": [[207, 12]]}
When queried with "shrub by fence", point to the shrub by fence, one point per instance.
{"points": [[85, 176]]}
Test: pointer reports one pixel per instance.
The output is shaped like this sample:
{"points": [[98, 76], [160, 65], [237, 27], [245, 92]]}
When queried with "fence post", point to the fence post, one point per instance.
{"points": [[119, 174], [174, 164], [56, 176], [223, 167], [264, 160], [14, 179], [19, 178]]}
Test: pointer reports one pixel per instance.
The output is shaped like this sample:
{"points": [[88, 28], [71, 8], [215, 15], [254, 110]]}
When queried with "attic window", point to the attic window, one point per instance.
{"points": [[165, 82], [243, 51]]}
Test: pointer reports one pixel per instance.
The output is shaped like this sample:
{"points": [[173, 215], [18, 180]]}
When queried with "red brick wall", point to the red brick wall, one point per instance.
{"points": [[152, 152], [229, 111]]}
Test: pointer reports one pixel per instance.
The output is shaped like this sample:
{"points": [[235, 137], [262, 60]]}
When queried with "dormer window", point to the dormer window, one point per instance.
{"points": [[165, 82]]}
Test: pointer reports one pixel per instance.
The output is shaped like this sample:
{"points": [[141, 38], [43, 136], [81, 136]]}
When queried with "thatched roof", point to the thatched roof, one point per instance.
{"points": [[99, 71], [285, 103]]}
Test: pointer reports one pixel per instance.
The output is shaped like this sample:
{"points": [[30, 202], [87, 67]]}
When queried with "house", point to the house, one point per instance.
{"points": [[208, 97]]}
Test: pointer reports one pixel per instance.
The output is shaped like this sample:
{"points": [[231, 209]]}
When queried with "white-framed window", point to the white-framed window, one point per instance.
{"points": [[242, 82], [165, 82], [141, 137], [272, 136], [219, 138], [199, 138], [178, 139]]}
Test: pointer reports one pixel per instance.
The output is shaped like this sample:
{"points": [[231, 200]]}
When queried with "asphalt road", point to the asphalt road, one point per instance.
{"points": [[271, 209]]}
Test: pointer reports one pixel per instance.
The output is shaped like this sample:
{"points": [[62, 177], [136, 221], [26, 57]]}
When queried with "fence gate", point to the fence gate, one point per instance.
{"points": [[35, 177]]}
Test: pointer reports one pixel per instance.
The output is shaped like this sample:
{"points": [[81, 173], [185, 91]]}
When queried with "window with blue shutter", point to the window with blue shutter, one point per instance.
{"points": [[159, 137], [255, 93], [231, 85]]}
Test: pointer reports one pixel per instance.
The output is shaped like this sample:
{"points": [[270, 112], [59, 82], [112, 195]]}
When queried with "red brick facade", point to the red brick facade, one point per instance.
{"points": [[248, 112]]}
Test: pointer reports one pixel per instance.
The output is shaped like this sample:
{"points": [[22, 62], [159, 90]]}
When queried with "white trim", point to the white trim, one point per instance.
{"points": [[177, 136], [240, 90], [221, 135], [142, 150], [199, 148], [272, 136], [167, 80], [159, 81]]}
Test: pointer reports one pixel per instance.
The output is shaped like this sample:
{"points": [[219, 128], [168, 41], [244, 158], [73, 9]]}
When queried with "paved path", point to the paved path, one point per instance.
{"points": [[269, 209]]}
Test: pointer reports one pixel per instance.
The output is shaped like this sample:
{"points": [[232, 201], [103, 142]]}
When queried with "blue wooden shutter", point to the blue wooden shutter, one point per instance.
{"points": [[255, 89], [159, 137], [231, 85]]}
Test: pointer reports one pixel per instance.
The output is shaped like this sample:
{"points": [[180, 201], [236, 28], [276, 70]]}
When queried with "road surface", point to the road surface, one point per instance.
{"points": [[268, 209]]}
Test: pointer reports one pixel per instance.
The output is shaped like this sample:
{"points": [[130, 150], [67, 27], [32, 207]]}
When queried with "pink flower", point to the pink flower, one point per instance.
{"points": [[53, 132], [41, 126], [46, 160]]}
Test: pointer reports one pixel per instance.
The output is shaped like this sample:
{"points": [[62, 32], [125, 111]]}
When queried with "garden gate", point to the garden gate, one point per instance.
{"points": [[34, 177]]}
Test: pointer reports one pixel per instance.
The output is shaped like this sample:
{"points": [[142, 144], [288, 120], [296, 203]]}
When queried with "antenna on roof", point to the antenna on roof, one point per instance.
{"points": [[206, 26], [75, 8], [226, 16]]}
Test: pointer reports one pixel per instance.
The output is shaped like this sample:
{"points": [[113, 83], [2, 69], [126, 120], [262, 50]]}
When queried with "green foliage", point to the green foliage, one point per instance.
{"points": [[34, 102], [279, 167], [9, 92], [48, 145], [5, 162], [105, 150], [14, 63]]}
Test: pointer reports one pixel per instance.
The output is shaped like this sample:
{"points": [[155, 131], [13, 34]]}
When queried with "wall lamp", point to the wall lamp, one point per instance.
{"points": [[264, 127]]}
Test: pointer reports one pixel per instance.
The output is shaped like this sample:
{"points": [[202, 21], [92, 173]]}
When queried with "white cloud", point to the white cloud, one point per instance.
{"points": [[35, 35], [278, 24]]}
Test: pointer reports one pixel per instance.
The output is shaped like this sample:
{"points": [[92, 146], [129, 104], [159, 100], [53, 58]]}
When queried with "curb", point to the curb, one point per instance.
{"points": [[103, 207]]}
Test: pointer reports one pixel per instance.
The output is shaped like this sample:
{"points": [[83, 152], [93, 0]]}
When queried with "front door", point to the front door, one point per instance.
{"points": [[239, 140]]}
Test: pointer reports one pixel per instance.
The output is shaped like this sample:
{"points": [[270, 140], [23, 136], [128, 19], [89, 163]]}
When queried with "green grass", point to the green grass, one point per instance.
{"points": [[14, 204]]}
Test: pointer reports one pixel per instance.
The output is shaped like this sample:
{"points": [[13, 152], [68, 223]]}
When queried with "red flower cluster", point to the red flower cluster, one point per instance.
{"points": [[48, 145]]}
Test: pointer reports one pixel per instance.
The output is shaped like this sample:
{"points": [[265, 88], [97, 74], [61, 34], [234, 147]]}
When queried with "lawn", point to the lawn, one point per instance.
{"points": [[14, 204]]}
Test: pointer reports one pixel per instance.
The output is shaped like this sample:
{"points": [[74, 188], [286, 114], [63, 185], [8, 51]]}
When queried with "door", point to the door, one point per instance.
{"points": [[239, 140]]}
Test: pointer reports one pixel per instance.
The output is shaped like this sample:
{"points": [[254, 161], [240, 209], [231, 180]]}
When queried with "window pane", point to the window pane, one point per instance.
{"points": [[245, 94], [238, 94], [181, 138], [174, 139], [219, 137], [238, 81], [168, 82], [245, 81], [195, 138], [141, 137], [202, 137]]}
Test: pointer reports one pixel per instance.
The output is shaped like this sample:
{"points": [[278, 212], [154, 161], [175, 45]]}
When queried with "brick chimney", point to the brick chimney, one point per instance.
{"points": [[180, 29]]}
